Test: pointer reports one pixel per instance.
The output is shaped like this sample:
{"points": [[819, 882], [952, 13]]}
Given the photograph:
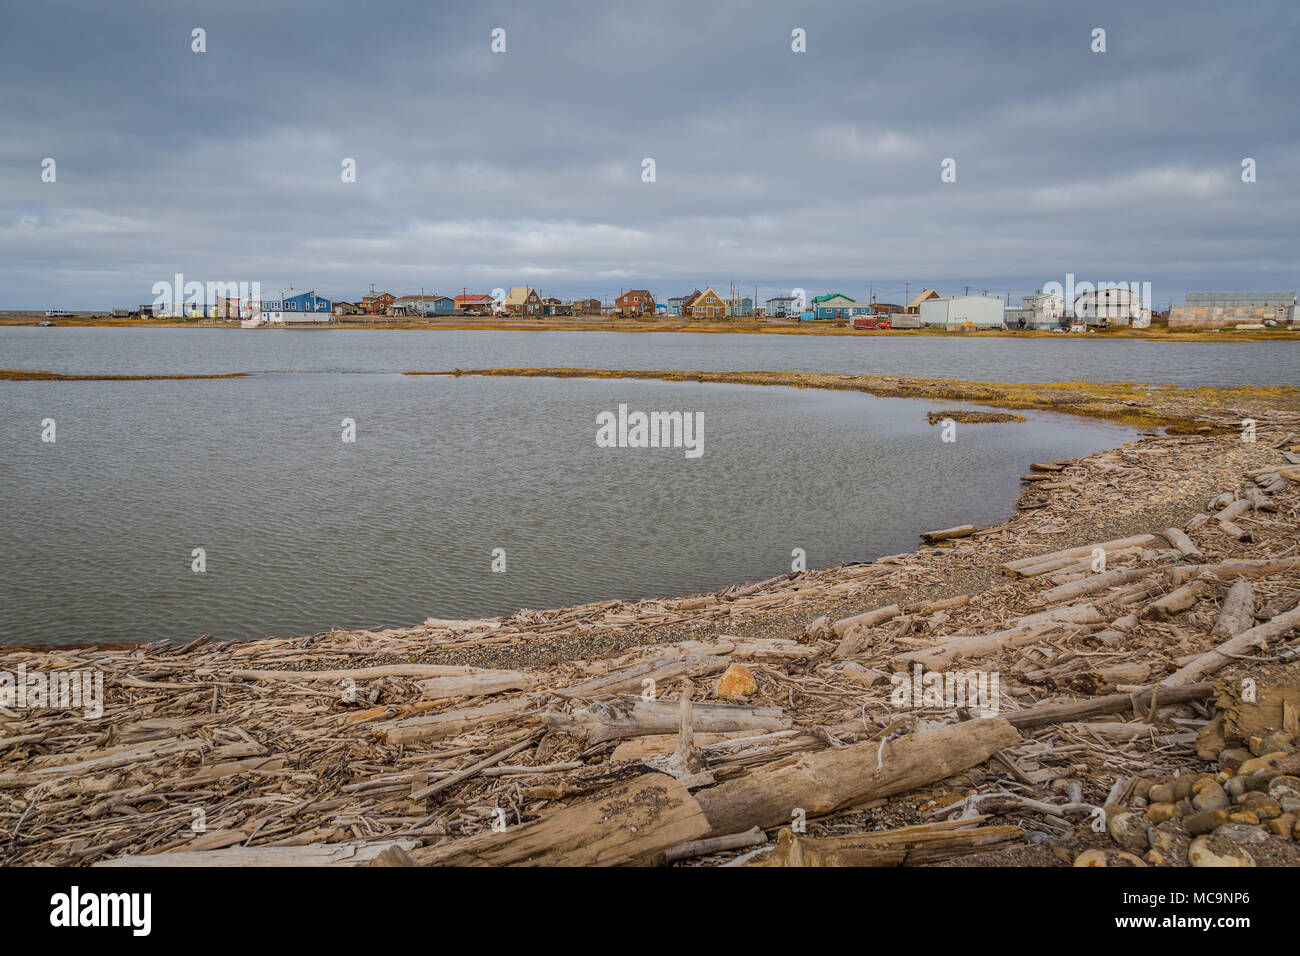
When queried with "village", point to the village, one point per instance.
{"points": [[1081, 308]]}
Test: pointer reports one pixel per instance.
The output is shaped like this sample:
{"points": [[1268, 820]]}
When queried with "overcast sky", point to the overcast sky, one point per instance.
{"points": [[477, 169]]}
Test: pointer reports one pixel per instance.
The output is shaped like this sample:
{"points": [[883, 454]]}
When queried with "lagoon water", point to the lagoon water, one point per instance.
{"points": [[303, 532], [1059, 358]]}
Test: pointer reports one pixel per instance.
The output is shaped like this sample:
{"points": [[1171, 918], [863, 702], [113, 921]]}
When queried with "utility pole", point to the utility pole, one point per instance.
{"points": [[967, 292], [907, 294]]}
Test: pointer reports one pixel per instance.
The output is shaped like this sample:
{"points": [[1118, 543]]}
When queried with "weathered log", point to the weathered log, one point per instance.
{"points": [[1025, 630], [867, 619], [961, 531], [1222, 656], [412, 729], [821, 782], [1141, 540], [635, 716], [313, 854], [1183, 543], [1238, 610], [631, 822], [659, 670], [353, 673], [1178, 600], [1041, 715], [906, 846], [476, 685], [1098, 582], [718, 844]]}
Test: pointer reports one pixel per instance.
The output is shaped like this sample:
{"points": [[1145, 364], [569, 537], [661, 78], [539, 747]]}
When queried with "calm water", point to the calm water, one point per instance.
{"points": [[303, 531], [1087, 358]]}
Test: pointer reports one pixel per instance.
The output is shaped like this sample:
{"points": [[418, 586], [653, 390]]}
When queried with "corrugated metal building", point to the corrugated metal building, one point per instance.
{"points": [[963, 311], [1215, 310]]}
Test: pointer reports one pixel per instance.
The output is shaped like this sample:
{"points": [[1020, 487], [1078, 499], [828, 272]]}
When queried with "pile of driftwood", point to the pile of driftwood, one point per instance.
{"points": [[763, 723]]}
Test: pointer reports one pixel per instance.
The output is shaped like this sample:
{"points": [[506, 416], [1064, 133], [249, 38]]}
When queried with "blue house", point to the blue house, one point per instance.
{"points": [[303, 307]]}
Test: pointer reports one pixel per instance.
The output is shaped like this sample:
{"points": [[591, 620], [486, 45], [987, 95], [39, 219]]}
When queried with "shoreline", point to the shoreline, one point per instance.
{"points": [[432, 694], [597, 324]]}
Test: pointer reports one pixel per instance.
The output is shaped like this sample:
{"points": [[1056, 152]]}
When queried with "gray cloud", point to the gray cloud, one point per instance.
{"points": [[773, 168]]}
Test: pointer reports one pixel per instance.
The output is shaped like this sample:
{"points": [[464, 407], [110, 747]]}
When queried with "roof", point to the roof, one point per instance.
{"points": [[641, 292], [417, 298], [924, 294], [518, 294], [473, 298], [831, 295], [782, 298]]}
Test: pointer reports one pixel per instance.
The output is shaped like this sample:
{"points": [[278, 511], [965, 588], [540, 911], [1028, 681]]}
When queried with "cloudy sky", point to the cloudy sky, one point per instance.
{"points": [[773, 168]]}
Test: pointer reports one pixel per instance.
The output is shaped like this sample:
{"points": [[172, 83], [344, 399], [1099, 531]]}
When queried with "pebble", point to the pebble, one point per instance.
{"points": [[1207, 821], [1161, 793], [1210, 796], [1268, 761], [1232, 758], [1158, 813], [1260, 804], [1108, 857], [1284, 786], [1169, 840], [1283, 826], [1242, 833], [1207, 851], [1129, 830], [1243, 816], [1183, 787], [736, 681]]}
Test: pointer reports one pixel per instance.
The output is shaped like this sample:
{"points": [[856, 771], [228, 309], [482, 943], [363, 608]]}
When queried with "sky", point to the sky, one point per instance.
{"points": [[774, 169]]}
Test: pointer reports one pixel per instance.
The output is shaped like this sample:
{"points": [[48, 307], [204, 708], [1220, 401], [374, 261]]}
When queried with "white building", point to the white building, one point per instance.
{"points": [[963, 311], [1107, 306]]}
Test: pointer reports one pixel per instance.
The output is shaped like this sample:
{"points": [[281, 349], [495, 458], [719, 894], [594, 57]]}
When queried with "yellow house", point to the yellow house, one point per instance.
{"points": [[705, 305]]}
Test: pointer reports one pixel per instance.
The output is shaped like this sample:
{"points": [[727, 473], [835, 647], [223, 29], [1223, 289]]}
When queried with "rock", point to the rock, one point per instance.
{"points": [[1107, 858], [1170, 841], [1278, 742], [1155, 858], [1260, 804], [1243, 816], [736, 681], [1207, 851], [1183, 786], [1162, 793], [1210, 796], [1284, 786], [1242, 833], [1283, 826], [1207, 821], [1233, 758], [1129, 830], [1278, 760], [1236, 786], [1158, 813], [1142, 787]]}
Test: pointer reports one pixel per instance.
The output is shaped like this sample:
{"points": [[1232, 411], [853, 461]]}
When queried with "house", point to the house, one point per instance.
{"points": [[231, 307], [554, 306], [635, 302], [962, 312], [426, 304], [887, 308], [522, 300], [1109, 306], [119, 313], [345, 308], [914, 307], [1215, 310], [473, 304], [586, 307], [144, 311], [677, 304], [377, 304], [303, 307], [837, 305], [780, 306], [705, 305], [740, 305], [1042, 310]]}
